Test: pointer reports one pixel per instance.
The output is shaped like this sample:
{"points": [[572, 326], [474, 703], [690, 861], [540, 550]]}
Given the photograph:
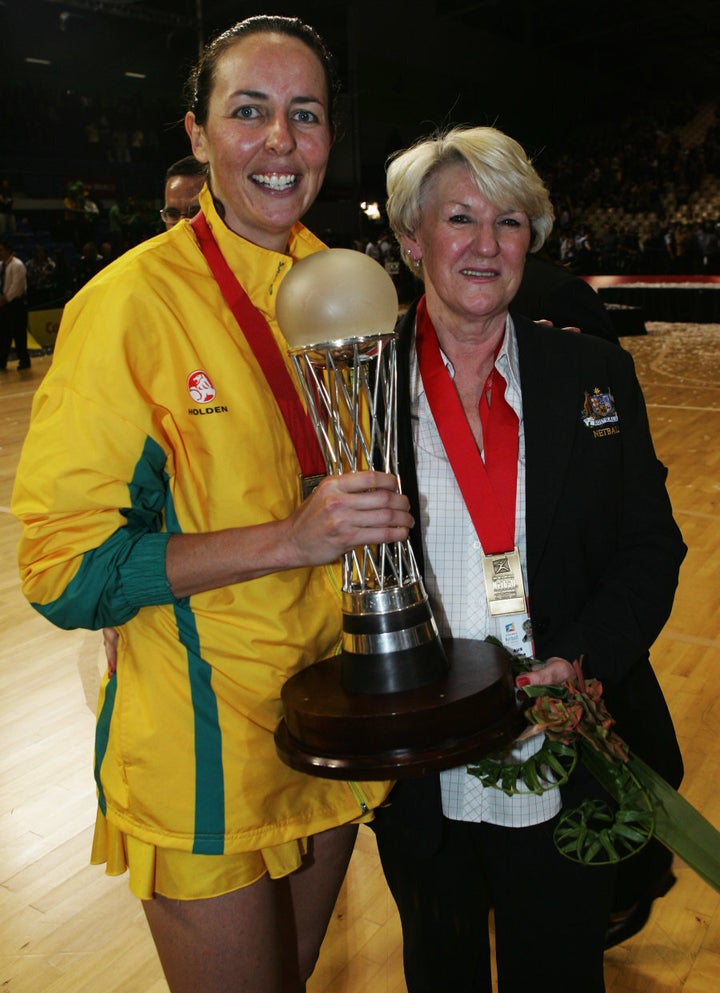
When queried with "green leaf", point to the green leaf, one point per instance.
{"points": [[679, 825], [647, 804], [530, 776]]}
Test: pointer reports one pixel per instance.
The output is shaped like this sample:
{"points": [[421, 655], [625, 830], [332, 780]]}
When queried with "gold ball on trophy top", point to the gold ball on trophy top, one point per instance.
{"points": [[333, 296]]}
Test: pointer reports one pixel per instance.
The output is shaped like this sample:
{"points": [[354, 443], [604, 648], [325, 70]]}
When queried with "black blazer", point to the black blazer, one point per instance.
{"points": [[603, 550], [550, 292]]}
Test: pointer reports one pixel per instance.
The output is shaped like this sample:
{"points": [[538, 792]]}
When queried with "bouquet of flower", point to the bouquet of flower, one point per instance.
{"points": [[578, 727]]}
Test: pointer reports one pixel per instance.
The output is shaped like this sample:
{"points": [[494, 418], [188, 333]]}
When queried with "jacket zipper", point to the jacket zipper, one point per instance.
{"points": [[360, 797]]}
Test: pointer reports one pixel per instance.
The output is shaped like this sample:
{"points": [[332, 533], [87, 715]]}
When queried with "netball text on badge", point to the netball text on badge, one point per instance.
{"points": [[599, 413]]}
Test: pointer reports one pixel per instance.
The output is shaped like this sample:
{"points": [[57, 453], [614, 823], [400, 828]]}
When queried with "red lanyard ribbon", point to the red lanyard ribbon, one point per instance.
{"points": [[488, 488], [265, 348]]}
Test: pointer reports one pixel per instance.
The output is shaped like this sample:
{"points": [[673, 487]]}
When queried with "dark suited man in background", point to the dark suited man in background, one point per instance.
{"points": [[550, 292], [13, 307]]}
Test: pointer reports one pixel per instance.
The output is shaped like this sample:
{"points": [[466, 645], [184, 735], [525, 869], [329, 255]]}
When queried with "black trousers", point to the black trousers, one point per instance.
{"points": [[550, 913], [13, 328]]}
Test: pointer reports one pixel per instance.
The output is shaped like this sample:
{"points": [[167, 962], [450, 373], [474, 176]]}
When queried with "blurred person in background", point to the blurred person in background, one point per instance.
{"points": [[183, 181]]}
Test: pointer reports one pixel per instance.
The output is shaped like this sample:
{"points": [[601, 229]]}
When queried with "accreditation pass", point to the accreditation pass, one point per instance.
{"points": [[504, 583]]}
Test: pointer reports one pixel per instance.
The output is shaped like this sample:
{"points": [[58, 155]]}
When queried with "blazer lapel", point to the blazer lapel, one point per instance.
{"points": [[548, 379], [406, 454]]}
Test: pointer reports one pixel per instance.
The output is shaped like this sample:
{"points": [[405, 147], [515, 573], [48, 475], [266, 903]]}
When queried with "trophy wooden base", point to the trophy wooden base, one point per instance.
{"points": [[470, 712]]}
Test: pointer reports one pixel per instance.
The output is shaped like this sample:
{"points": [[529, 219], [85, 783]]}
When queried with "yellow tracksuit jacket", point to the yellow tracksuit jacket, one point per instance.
{"points": [[155, 419]]}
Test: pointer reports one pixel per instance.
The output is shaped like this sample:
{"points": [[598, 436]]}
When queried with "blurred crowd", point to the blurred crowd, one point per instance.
{"points": [[63, 256], [640, 197], [643, 197]]}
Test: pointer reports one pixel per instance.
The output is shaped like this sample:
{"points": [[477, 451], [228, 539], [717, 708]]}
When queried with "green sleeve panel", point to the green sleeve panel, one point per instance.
{"points": [[113, 582], [127, 571]]}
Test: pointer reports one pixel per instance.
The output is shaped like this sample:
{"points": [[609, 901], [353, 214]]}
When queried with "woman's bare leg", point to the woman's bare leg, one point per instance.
{"points": [[263, 938], [225, 944], [314, 890]]}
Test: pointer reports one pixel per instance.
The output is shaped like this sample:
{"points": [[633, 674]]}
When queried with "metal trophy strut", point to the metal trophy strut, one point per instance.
{"points": [[397, 701]]}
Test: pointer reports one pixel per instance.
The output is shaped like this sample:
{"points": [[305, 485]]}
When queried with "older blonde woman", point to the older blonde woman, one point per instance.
{"points": [[508, 462]]}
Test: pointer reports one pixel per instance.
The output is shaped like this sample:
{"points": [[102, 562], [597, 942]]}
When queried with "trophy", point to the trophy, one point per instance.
{"points": [[398, 700]]}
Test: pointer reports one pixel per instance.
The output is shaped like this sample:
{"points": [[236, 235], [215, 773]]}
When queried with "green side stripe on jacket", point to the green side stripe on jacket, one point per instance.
{"points": [[209, 778], [209, 775], [102, 733]]}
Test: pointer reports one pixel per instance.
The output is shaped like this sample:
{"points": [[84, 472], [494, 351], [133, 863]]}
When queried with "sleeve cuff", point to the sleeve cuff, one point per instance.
{"points": [[143, 578]]}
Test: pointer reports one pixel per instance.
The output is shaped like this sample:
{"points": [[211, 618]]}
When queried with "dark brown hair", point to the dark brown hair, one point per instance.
{"points": [[200, 84]]}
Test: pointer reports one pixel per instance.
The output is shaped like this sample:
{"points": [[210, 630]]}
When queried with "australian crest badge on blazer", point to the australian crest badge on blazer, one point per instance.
{"points": [[599, 414]]}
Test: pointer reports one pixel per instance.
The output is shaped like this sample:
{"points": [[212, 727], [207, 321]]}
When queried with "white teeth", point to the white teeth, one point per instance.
{"points": [[275, 182], [479, 272]]}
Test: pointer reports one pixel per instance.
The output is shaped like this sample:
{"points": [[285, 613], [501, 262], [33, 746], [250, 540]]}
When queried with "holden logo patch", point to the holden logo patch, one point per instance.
{"points": [[200, 387]]}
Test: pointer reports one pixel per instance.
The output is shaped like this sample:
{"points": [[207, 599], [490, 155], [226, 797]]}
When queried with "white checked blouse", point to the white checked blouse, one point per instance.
{"points": [[456, 588]]}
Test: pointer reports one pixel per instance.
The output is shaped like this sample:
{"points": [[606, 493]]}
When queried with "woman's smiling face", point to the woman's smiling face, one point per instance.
{"points": [[473, 252], [267, 136]]}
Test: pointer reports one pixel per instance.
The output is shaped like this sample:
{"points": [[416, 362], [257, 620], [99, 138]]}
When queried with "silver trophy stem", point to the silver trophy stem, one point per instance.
{"points": [[390, 638]]}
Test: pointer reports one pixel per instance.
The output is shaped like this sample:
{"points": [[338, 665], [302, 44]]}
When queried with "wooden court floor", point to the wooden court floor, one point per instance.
{"points": [[67, 928]]}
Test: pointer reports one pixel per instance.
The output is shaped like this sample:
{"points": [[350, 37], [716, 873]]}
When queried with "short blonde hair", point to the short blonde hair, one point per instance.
{"points": [[504, 174]]}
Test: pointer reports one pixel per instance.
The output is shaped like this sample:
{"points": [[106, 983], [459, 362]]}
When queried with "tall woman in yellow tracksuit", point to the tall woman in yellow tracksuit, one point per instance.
{"points": [[159, 493]]}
